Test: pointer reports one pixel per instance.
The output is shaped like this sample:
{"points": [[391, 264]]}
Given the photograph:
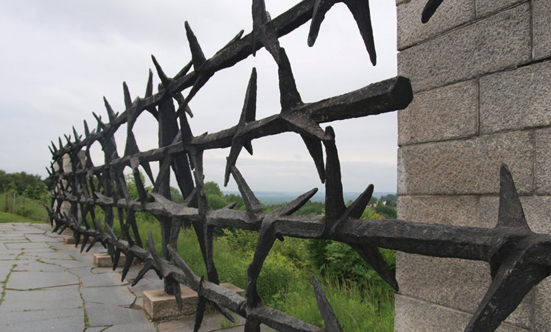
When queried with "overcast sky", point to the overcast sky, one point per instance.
{"points": [[60, 57]]}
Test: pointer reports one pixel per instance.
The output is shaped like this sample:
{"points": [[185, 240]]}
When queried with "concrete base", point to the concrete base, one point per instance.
{"points": [[69, 239], [103, 259], [158, 305]]}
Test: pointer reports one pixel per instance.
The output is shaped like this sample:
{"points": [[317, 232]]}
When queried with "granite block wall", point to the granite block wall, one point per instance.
{"points": [[481, 75]]}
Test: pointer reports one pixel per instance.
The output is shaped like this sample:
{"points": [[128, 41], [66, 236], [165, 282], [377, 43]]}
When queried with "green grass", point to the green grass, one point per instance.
{"points": [[24, 206], [8, 217]]}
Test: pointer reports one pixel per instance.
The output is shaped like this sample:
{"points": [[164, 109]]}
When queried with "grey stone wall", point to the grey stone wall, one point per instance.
{"points": [[481, 74]]}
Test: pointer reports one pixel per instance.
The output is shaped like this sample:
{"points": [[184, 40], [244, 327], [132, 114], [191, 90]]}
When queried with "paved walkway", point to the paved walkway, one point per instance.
{"points": [[50, 286]]}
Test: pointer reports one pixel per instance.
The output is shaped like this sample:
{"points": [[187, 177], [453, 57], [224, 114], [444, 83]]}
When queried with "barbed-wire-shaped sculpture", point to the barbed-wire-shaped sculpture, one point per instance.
{"points": [[519, 258]]}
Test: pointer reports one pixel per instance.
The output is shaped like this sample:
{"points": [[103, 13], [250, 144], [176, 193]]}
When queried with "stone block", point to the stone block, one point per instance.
{"points": [[542, 28], [69, 239], [516, 99], [486, 7], [486, 46], [102, 259], [158, 305], [543, 166], [440, 114], [453, 283], [466, 167], [449, 15], [446, 210], [413, 315], [537, 210]]}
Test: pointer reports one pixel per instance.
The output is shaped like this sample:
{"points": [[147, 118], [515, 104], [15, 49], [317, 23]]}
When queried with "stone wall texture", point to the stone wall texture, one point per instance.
{"points": [[481, 73]]}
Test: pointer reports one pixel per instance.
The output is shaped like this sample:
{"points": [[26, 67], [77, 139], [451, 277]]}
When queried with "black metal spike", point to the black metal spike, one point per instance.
{"points": [[184, 107], [321, 7], [430, 9], [162, 76], [516, 276], [360, 12], [184, 70], [68, 138], [116, 258], [199, 60], [294, 205], [357, 208], [259, 19], [86, 129], [60, 143], [331, 322], [201, 306], [57, 227], [196, 52], [127, 264], [85, 238], [76, 234], [149, 86], [334, 202], [288, 92], [251, 202], [110, 113], [230, 206], [53, 146], [77, 136], [63, 228], [101, 125], [511, 214], [52, 152], [233, 40], [147, 169], [127, 97], [131, 146], [177, 294], [248, 113], [232, 159], [148, 265], [202, 79], [93, 242], [372, 256]]}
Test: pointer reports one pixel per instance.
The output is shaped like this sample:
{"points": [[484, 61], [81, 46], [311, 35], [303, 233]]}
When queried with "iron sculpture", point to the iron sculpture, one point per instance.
{"points": [[519, 258]]}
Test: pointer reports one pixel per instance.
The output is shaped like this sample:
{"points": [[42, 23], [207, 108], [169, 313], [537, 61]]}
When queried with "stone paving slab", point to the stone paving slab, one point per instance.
{"points": [[50, 298], [27, 245], [116, 296], [35, 266], [4, 271], [41, 238], [131, 328], [103, 315], [8, 256], [65, 320], [32, 280], [9, 263], [54, 255], [65, 263]]}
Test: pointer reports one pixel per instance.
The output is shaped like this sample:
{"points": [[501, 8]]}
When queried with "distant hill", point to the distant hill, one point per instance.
{"points": [[277, 197]]}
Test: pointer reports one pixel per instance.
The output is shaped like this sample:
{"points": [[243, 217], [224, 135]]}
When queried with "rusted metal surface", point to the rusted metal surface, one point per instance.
{"points": [[519, 258]]}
